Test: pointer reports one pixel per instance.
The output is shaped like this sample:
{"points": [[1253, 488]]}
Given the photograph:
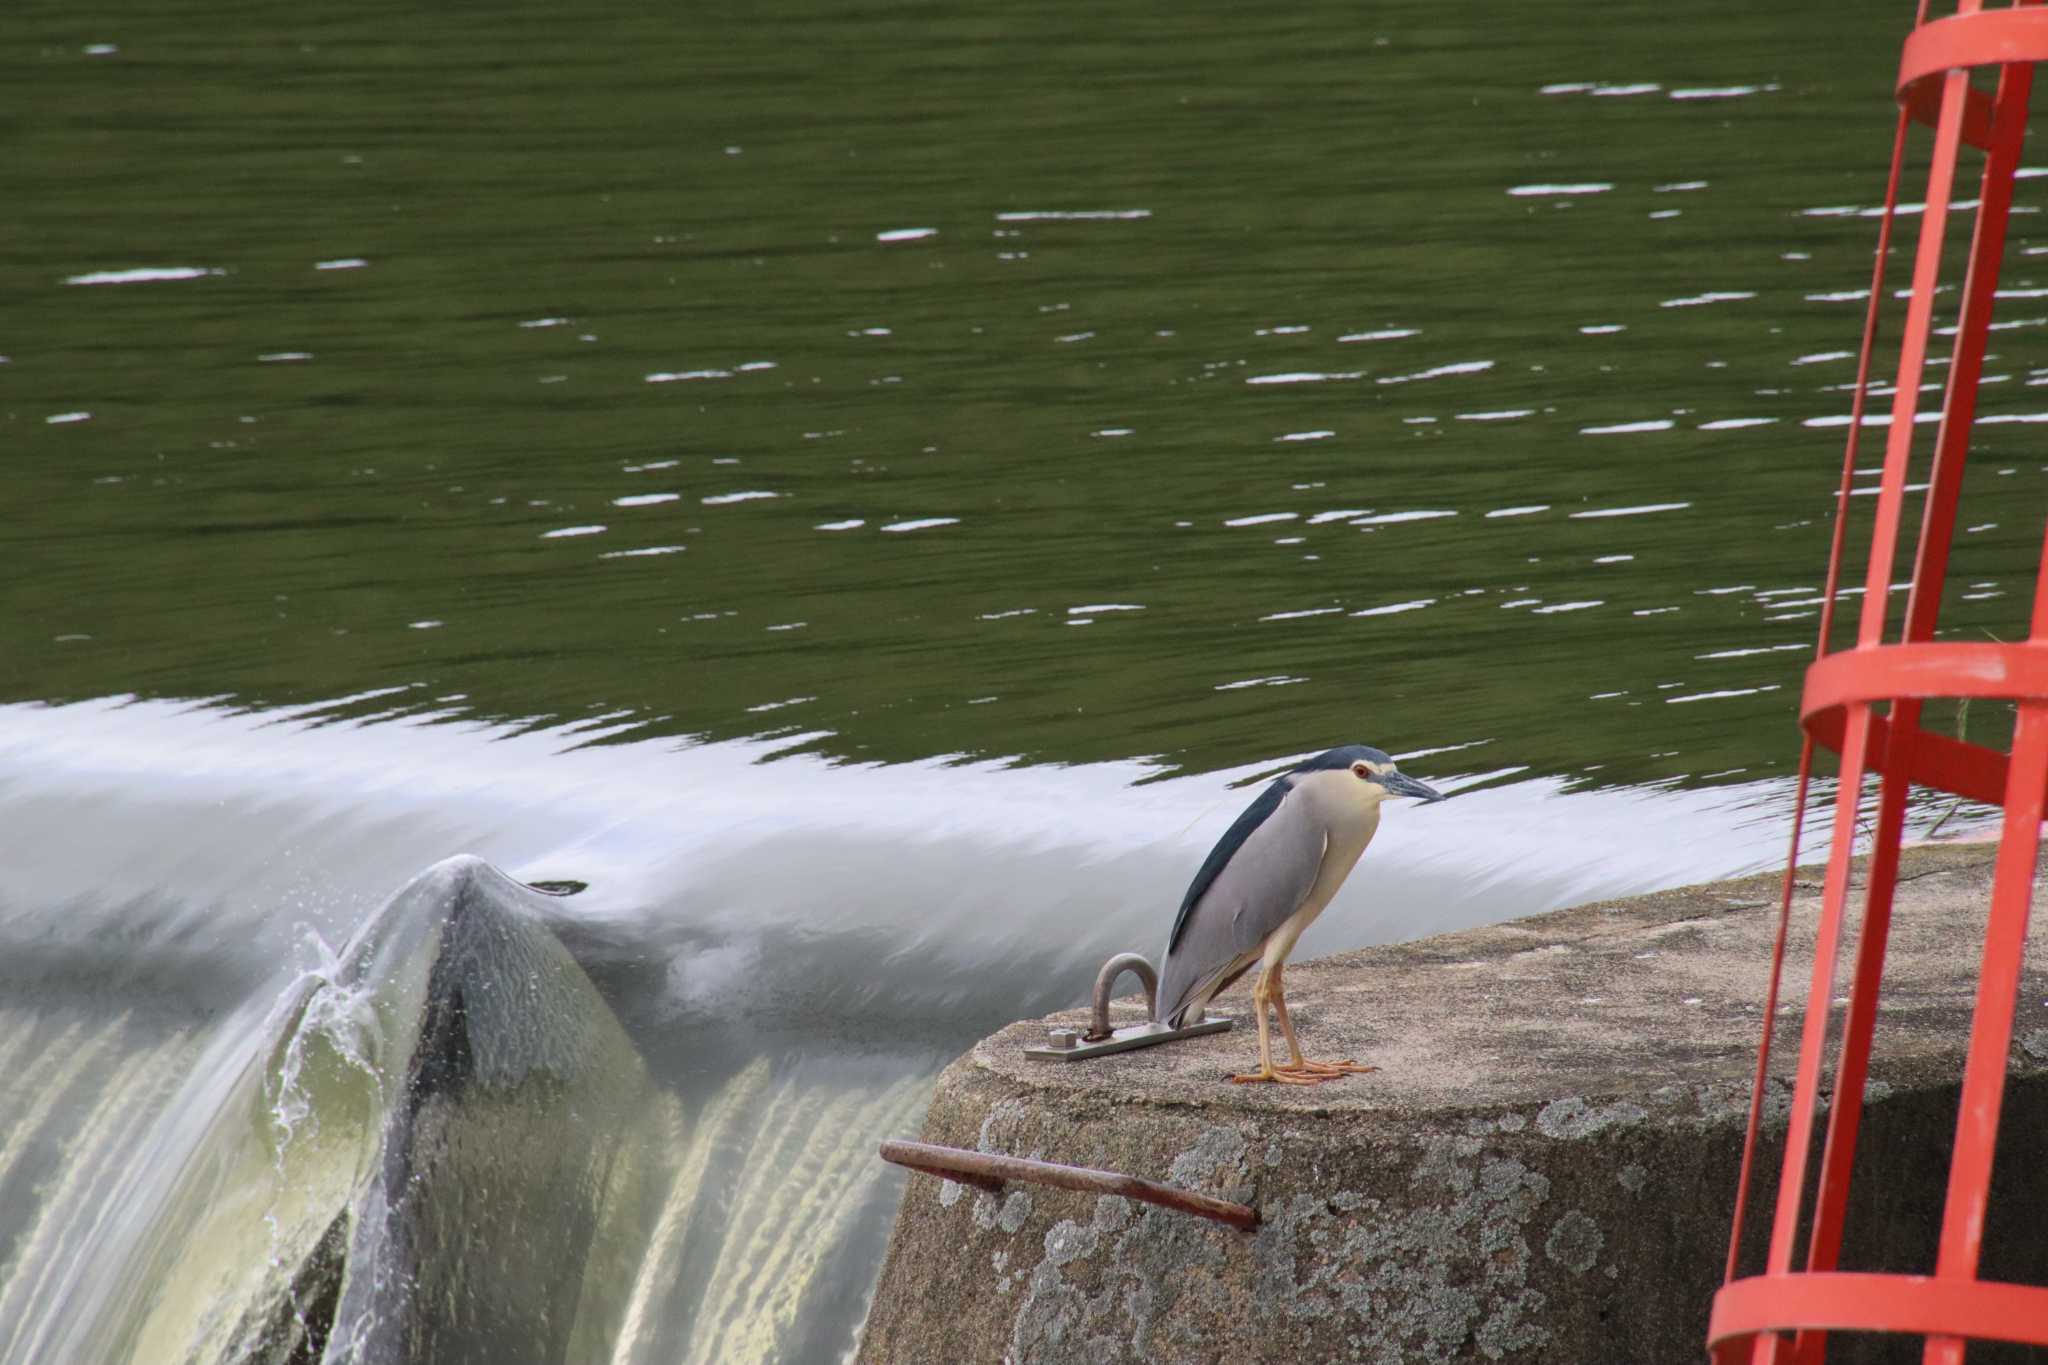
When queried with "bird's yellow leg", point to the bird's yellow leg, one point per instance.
{"points": [[1261, 994], [1298, 1064]]}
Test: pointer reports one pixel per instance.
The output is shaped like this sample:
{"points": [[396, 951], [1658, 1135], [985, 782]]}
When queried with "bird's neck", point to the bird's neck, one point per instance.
{"points": [[1342, 801], [1350, 816]]}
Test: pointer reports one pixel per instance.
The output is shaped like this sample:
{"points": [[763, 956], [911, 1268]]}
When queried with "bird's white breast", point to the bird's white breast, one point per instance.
{"points": [[1349, 812]]}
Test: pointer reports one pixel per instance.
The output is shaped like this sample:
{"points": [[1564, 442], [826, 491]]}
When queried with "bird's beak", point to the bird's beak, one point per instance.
{"points": [[1400, 784]]}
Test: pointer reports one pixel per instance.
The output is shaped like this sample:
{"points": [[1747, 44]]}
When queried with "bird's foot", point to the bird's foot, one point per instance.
{"points": [[1328, 1071], [1278, 1075]]}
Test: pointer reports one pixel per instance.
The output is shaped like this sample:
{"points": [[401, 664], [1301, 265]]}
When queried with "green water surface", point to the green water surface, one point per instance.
{"points": [[1042, 283]]}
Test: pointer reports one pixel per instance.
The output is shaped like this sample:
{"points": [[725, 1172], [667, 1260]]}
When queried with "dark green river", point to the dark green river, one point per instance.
{"points": [[856, 485]]}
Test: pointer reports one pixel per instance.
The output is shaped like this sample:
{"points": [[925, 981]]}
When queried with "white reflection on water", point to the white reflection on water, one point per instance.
{"points": [[1721, 92], [1262, 518], [1870, 419], [1384, 334], [1711, 296], [1305, 377], [1395, 608], [144, 274], [744, 495], [1035, 215], [1642, 510], [1584, 187], [1388, 518], [1717, 696], [1902, 211], [1621, 428], [921, 524], [1439, 372], [569, 531], [1757, 649]]}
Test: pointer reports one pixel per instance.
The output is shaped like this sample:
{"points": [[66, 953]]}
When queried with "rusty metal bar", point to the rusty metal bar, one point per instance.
{"points": [[989, 1171]]}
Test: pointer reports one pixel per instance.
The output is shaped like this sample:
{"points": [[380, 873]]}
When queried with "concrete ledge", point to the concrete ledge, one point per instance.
{"points": [[1542, 1170]]}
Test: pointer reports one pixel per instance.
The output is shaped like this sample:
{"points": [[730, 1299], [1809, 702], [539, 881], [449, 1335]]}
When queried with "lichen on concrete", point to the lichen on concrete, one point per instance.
{"points": [[1575, 1242], [1414, 1281], [1571, 1118]]}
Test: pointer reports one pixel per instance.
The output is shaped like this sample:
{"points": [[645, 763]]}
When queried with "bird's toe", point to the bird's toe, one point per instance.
{"points": [[1328, 1071], [1276, 1076]]}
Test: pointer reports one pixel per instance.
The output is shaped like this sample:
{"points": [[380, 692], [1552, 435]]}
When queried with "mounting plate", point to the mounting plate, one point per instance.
{"points": [[1068, 1045]]}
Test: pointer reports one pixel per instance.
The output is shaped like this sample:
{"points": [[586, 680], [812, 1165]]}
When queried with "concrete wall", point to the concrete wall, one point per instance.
{"points": [[1543, 1171]]}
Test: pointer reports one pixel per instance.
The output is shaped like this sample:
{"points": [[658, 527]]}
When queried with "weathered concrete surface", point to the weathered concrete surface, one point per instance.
{"points": [[1543, 1168]]}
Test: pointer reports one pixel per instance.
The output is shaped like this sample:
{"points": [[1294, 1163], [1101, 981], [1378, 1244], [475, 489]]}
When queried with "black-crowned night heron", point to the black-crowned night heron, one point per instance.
{"points": [[1266, 880]]}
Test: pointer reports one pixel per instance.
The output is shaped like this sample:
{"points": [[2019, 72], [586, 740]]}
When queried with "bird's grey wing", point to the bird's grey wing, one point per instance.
{"points": [[1258, 874], [1233, 838]]}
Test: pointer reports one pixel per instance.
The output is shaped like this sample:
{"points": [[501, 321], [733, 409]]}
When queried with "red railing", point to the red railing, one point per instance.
{"points": [[1785, 1314]]}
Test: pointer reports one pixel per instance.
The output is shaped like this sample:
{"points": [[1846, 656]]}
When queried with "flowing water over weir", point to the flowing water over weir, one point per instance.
{"points": [[857, 493], [208, 1111]]}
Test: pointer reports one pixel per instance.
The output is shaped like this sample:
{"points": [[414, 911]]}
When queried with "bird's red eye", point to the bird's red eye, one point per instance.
{"points": [[1358, 770]]}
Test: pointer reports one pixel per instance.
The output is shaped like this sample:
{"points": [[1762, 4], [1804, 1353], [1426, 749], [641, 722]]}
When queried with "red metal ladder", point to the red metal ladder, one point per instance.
{"points": [[1785, 1313]]}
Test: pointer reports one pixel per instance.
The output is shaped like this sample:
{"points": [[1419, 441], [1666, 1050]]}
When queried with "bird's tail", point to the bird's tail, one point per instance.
{"points": [[1182, 994], [1176, 991]]}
